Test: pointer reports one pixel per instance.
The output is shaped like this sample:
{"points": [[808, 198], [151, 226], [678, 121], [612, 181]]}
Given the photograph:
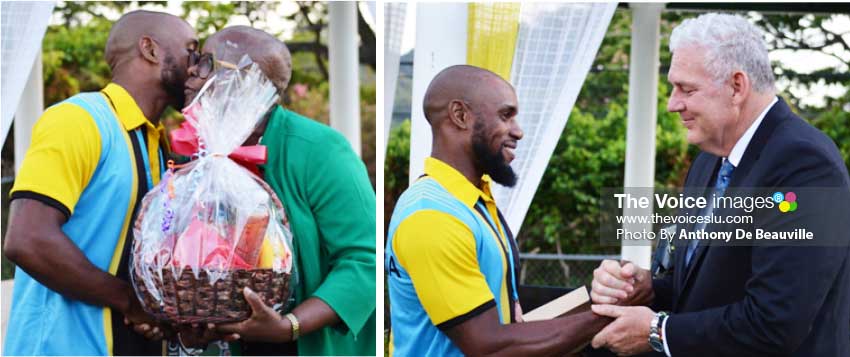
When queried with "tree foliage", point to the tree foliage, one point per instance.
{"points": [[564, 214], [73, 50], [809, 34], [72, 53], [396, 167], [73, 59]]}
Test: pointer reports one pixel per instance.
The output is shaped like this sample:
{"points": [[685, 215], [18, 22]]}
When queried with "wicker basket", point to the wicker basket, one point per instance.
{"points": [[186, 298], [195, 300]]}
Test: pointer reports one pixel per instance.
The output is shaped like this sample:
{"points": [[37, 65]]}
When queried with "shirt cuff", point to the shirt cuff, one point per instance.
{"points": [[664, 335]]}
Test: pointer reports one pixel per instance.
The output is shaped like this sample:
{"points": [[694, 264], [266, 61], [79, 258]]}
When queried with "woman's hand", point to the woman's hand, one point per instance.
{"points": [[264, 325]]}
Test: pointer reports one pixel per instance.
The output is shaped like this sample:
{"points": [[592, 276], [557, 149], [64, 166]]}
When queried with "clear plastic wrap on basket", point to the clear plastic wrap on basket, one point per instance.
{"points": [[212, 228]]}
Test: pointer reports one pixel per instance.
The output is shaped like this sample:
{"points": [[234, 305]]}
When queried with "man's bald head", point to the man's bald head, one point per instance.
{"points": [[150, 53], [271, 54], [126, 33], [461, 82]]}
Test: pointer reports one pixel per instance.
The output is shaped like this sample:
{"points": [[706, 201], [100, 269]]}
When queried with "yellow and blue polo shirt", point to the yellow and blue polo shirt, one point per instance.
{"points": [[450, 256], [92, 157]]}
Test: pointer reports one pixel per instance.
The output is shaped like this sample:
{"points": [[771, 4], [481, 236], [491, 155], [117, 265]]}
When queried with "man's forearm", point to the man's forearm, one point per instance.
{"points": [[543, 338], [59, 265], [553, 337]]}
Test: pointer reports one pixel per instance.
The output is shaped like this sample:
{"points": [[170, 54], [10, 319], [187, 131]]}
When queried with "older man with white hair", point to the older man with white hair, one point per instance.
{"points": [[725, 300]]}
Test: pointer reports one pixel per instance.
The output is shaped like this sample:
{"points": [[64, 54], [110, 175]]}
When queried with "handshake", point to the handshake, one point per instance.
{"points": [[622, 291]]}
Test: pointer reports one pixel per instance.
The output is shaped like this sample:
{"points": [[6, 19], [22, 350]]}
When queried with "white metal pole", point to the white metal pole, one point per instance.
{"points": [[344, 71], [642, 118], [29, 110]]}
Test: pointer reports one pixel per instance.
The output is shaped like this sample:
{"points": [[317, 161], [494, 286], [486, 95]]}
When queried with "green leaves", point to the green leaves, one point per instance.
{"points": [[397, 163], [73, 59], [396, 167], [212, 16]]}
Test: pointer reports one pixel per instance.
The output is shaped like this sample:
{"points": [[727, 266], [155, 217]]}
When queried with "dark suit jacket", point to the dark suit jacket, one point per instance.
{"points": [[764, 300]]}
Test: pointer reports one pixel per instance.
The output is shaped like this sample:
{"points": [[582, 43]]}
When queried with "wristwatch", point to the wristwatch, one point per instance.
{"points": [[656, 340]]}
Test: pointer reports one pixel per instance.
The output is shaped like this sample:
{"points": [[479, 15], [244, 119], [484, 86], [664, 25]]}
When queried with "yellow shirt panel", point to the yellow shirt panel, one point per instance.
{"points": [[62, 156], [438, 252]]}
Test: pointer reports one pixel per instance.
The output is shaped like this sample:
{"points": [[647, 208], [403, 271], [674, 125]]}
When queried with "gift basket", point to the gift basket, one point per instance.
{"points": [[211, 228]]}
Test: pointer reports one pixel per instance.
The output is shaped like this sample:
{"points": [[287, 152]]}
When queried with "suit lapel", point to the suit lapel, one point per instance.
{"points": [[698, 179], [772, 119], [705, 180]]}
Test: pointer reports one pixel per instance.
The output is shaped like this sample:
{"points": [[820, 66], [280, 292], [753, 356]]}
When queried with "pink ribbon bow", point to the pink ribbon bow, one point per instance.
{"points": [[184, 141]]}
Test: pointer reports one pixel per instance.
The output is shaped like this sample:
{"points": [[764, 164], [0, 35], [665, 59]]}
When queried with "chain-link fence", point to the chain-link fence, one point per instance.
{"points": [[559, 270]]}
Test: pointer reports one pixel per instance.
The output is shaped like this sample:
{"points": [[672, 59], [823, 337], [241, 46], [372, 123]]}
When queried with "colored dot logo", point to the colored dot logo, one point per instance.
{"points": [[787, 202]]}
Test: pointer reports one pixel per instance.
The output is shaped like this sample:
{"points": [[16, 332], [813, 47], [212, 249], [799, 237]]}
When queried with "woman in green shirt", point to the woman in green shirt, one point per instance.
{"points": [[330, 203]]}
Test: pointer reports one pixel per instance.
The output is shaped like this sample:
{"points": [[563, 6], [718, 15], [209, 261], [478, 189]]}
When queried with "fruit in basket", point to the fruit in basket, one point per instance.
{"points": [[274, 254]]}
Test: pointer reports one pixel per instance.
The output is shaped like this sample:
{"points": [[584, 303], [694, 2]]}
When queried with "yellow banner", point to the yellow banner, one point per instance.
{"points": [[491, 37]]}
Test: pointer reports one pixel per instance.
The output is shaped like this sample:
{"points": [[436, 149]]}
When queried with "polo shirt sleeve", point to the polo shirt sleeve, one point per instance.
{"points": [[62, 157], [438, 252]]}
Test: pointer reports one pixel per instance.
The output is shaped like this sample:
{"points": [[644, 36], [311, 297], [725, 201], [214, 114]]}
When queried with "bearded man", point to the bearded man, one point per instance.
{"points": [[92, 159], [451, 258]]}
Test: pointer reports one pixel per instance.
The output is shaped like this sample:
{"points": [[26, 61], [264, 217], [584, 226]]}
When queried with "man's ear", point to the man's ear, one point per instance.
{"points": [[149, 49], [459, 115], [741, 87]]}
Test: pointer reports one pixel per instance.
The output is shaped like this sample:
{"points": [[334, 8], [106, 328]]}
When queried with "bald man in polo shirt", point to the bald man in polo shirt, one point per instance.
{"points": [[451, 259], [92, 158]]}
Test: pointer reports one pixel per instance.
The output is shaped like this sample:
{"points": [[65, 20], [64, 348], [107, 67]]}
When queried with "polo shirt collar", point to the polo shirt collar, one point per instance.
{"points": [[457, 184], [126, 108]]}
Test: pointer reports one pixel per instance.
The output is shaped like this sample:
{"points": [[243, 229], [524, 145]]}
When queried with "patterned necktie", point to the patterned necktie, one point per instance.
{"points": [[724, 175]]}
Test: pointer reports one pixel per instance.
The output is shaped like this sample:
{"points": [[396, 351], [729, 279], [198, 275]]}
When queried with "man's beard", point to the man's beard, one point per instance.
{"points": [[172, 82], [491, 163]]}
